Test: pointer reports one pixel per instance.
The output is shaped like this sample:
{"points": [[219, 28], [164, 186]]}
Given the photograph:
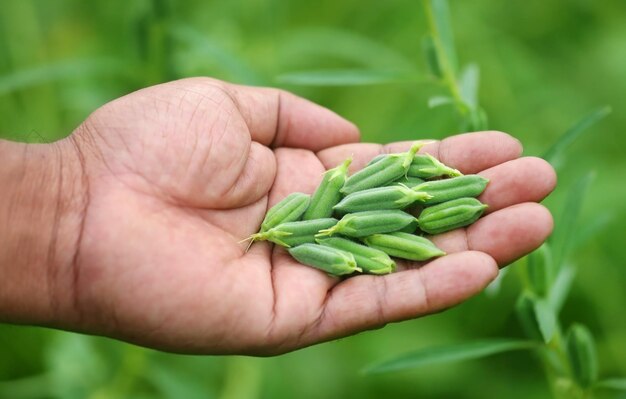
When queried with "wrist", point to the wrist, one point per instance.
{"points": [[41, 213]]}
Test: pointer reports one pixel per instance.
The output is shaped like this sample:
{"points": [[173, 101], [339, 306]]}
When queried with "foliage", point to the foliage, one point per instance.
{"points": [[542, 65]]}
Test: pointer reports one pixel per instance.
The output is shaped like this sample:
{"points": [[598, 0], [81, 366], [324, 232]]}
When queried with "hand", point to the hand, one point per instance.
{"points": [[177, 174]]}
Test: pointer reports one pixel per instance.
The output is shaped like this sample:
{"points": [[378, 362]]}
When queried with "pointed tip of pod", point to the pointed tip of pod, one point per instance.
{"points": [[260, 236], [390, 266], [340, 170], [455, 173], [410, 155], [421, 195], [345, 164], [250, 240], [325, 233], [416, 146], [433, 159]]}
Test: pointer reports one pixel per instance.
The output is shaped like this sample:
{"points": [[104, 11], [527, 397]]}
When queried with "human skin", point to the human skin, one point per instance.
{"points": [[131, 227]]}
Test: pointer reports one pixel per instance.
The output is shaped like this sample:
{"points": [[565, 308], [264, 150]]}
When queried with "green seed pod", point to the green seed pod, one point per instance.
{"points": [[525, 309], [425, 166], [408, 181], [386, 170], [540, 270], [289, 209], [450, 215], [361, 224], [378, 158], [369, 259], [292, 234], [327, 194], [450, 189], [381, 198], [581, 352], [330, 260], [410, 228], [405, 246]]}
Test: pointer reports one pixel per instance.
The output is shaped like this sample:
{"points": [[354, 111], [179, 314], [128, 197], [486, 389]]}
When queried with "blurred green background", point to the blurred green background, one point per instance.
{"points": [[544, 64]]}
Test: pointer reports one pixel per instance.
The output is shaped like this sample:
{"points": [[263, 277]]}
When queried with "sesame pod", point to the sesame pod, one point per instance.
{"points": [[405, 246], [291, 234], [450, 215], [540, 269], [527, 316], [371, 260], [361, 224], [581, 352], [410, 228], [378, 158], [380, 198], [386, 170], [330, 260], [408, 181], [450, 189], [327, 193], [425, 166], [289, 209]]}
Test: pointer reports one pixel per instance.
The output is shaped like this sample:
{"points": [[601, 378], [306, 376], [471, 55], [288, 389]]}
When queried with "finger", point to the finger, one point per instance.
{"points": [[470, 152], [367, 302], [278, 118], [505, 235], [526, 179], [253, 181]]}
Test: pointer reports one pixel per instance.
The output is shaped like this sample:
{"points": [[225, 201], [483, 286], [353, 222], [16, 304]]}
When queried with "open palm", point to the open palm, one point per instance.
{"points": [[178, 174]]}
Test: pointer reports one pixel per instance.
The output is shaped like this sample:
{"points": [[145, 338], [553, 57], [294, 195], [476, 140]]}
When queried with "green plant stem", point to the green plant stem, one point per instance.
{"points": [[449, 77]]}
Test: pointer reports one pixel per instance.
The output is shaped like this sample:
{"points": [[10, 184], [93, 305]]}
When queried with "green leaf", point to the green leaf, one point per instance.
{"points": [[441, 19], [172, 383], [540, 270], [566, 227], [527, 315], [75, 366], [317, 46], [581, 352], [35, 387], [612, 383], [242, 379], [546, 319], [345, 77], [468, 82], [449, 353], [561, 287], [62, 70], [476, 120], [204, 55], [438, 101], [553, 154], [493, 289], [593, 227]]}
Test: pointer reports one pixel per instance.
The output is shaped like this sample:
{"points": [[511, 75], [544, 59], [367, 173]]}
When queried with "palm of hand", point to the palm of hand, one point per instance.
{"points": [[180, 173]]}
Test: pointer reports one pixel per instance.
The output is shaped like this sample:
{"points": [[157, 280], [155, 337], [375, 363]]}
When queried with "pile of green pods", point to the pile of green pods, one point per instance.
{"points": [[359, 223]]}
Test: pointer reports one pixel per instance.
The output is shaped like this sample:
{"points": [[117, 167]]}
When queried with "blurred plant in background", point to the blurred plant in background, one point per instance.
{"points": [[570, 361], [543, 63]]}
